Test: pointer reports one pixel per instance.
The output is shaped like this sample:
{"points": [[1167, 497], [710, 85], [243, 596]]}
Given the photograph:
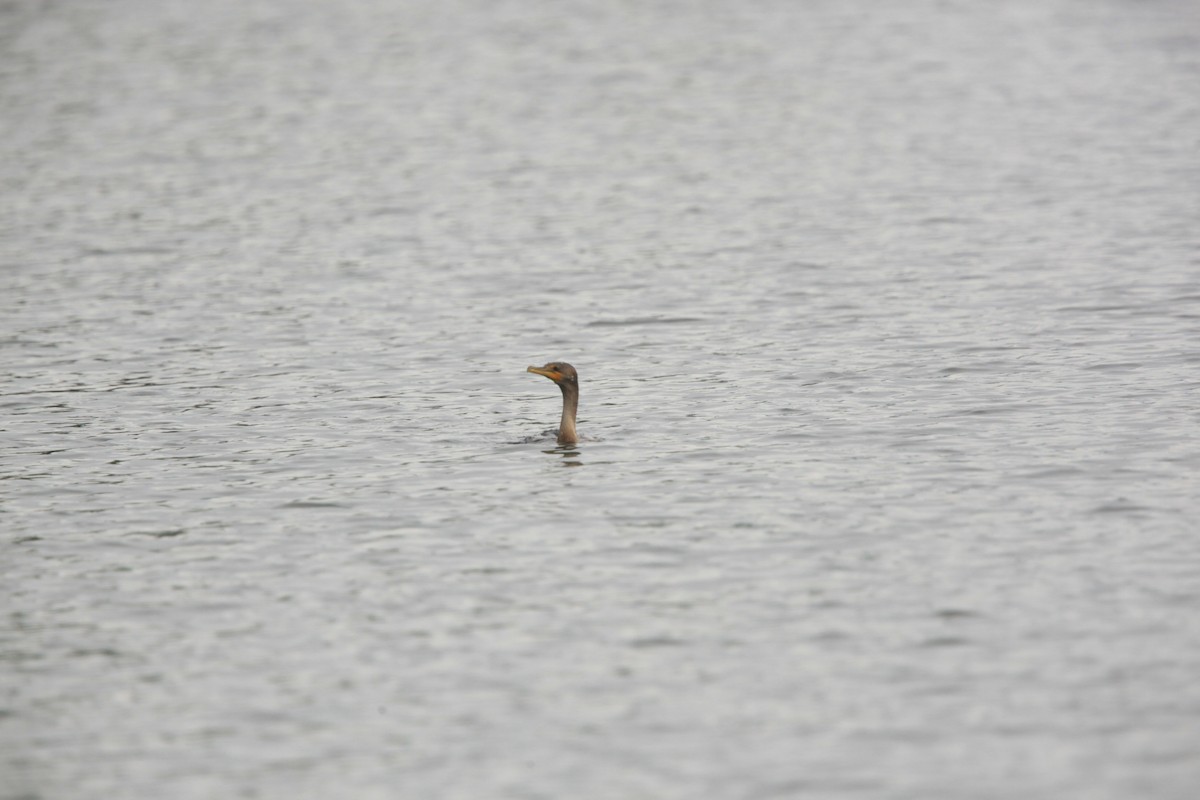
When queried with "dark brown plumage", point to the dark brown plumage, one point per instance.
{"points": [[568, 380]]}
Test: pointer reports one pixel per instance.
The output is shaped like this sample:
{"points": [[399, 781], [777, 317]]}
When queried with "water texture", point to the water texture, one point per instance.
{"points": [[887, 317]]}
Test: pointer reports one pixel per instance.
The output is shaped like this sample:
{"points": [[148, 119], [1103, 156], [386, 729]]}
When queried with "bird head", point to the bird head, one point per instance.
{"points": [[558, 371]]}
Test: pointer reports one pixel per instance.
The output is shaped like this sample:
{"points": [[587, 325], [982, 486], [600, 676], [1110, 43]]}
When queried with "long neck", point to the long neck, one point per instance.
{"points": [[566, 426]]}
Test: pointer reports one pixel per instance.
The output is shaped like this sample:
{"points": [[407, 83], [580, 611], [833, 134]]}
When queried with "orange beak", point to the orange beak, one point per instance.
{"points": [[549, 373]]}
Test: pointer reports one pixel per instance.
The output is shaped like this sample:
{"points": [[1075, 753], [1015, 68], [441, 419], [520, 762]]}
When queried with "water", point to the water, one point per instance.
{"points": [[887, 322]]}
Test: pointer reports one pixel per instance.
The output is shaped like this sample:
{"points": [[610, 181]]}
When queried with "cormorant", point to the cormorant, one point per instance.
{"points": [[568, 380]]}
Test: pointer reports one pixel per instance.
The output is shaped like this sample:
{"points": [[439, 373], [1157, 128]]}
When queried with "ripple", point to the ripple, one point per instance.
{"points": [[634, 321]]}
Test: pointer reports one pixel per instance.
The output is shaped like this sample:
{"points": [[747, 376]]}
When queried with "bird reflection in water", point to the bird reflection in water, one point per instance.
{"points": [[570, 453]]}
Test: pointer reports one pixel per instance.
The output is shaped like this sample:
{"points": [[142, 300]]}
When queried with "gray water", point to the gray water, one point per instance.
{"points": [[888, 323]]}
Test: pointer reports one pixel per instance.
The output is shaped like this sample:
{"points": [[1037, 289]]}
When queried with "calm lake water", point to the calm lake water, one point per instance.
{"points": [[887, 318]]}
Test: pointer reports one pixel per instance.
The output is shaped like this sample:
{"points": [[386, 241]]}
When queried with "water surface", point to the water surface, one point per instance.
{"points": [[887, 323]]}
